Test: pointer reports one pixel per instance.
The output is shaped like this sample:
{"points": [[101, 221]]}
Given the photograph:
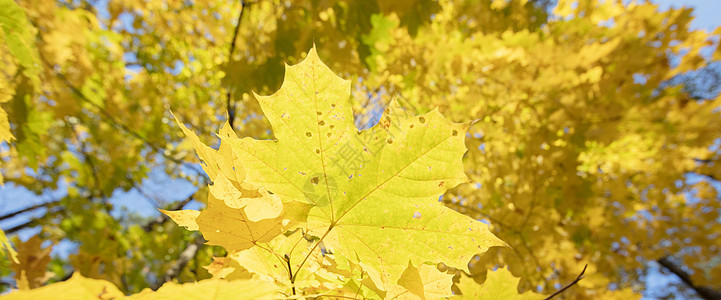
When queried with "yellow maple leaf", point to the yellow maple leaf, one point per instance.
{"points": [[499, 284], [75, 288]]}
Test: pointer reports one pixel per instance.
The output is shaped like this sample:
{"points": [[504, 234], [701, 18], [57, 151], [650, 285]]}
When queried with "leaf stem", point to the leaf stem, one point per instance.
{"points": [[292, 278], [290, 271]]}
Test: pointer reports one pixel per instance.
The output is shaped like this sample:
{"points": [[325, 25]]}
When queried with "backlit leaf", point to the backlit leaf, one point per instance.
{"points": [[212, 289], [374, 192], [75, 288], [499, 285]]}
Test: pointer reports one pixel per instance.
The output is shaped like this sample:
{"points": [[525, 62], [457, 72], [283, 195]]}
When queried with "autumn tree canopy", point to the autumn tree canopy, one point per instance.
{"points": [[327, 130]]}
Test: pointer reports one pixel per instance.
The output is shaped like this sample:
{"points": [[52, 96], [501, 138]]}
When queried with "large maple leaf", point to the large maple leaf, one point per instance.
{"points": [[374, 192]]}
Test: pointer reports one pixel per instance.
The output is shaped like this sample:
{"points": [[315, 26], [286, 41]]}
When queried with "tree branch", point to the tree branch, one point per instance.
{"points": [[704, 292], [578, 278], [24, 210], [229, 104], [181, 262], [16, 228], [31, 223]]}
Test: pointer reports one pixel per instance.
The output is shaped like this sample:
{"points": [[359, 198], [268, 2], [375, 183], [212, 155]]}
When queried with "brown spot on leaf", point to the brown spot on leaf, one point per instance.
{"points": [[308, 134], [321, 123], [455, 132], [314, 180], [422, 120]]}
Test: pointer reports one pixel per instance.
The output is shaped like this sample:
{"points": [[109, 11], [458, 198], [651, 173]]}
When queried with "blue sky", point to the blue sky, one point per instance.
{"points": [[707, 12]]}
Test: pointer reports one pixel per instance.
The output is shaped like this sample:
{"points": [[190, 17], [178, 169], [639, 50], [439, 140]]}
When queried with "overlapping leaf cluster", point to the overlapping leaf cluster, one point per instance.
{"points": [[593, 146], [326, 205], [329, 210]]}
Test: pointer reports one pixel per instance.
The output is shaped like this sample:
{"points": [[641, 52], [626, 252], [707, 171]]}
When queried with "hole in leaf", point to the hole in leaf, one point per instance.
{"points": [[422, 119], [314, 180], [332, 105], [308, 134], [417, 215]]}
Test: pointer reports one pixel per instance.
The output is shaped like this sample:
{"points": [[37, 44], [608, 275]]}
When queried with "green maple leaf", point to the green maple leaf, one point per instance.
{"points": [[19, 36], [374, 192]]}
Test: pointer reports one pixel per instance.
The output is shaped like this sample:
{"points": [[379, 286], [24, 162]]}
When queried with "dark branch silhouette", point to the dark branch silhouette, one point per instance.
{"points": [[704, 292], [229, 102], [27, 209]]}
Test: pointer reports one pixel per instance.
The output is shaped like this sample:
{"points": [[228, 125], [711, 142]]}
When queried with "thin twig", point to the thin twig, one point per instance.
{"points": [[150, 199], [578, 278]]}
